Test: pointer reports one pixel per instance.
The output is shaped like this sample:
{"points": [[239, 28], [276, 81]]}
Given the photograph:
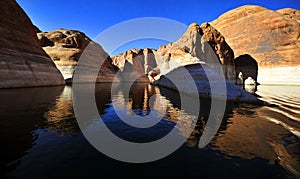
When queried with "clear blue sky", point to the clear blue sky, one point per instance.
{"points": [[93, 16]]}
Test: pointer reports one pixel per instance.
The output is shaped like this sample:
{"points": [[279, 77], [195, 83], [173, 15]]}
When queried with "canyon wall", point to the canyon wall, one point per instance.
{"points": [[272, 38], [23, 63]]}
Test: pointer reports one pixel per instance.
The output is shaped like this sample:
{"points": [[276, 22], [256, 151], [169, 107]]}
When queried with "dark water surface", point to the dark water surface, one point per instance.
{"points": [[40, 136]]}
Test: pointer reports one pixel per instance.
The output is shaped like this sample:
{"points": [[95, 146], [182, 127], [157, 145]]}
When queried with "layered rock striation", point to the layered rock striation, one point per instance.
{"points": [[272, 38], [67, 47], [23, 63]]}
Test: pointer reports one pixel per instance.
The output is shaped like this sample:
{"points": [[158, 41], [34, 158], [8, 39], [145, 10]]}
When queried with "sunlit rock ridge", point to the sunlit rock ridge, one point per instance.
{"points": [[67, 47]]}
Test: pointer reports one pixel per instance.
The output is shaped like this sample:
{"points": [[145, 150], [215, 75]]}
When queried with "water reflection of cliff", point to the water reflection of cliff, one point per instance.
{"points": [[251, 131], [60, 116], [138, 98], [132, 101], [267, 132], [21, 113], [247, 132]]}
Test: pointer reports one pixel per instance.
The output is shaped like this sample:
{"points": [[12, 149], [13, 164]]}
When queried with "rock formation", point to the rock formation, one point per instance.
{"points": [[290, 13], [204, 43], [137, 62], [206, 79], [66, 47], [202, 50], [23, 63], [272, 38]]}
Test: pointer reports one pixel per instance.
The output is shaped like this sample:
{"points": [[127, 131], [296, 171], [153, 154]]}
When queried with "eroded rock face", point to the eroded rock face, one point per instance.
{"points": [[221, 48], [198, 44], [205, 43], [290, 13], [66, 47], [201, 50], [137, 62], [23, 63], [272, 38]]}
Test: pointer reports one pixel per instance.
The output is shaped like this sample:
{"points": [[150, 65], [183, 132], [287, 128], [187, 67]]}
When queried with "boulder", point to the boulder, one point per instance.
{"points": [[66, 47], [206, 80], [23, 63], [270, 37]]}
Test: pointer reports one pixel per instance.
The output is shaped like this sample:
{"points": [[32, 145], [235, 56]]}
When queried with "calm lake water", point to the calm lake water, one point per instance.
{"points": [[40, 136]]}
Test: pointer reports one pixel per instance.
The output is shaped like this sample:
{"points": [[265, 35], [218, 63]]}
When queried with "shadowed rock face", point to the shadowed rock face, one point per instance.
{"points": [[221, 49], [247, 66], [270, 37], [23, 63], [65, 48]]}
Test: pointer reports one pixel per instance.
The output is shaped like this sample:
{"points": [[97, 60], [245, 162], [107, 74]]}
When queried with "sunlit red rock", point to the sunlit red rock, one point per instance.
{"points": [[67, 47], [270, 37]]}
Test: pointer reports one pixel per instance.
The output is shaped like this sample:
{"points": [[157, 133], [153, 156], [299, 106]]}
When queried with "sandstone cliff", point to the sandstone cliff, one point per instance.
{"points": [[208, 45], [23, 63], [66, 47], [290, 13], [272, 38]]}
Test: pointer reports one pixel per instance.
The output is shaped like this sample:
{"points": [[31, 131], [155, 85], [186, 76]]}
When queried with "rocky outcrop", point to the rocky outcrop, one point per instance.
{"points": [[23, 63], [208, 83], [290, 13], [272, 38], [221, 48], [142, 60], [66, 47], [136, 62], [205, 43]]}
